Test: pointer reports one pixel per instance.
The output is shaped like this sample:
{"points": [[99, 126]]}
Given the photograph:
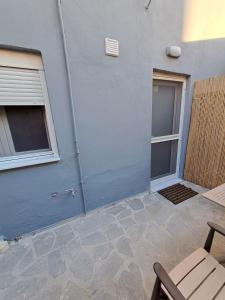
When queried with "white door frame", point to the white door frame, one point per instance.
{"points": [[163, 182]]}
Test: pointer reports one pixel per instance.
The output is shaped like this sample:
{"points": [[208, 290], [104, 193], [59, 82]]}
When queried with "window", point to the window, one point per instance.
{"points": [[26, 128]]}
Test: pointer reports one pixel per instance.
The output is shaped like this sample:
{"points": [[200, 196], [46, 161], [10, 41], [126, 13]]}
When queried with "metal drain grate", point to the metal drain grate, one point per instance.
{"points": [[177, 193]]}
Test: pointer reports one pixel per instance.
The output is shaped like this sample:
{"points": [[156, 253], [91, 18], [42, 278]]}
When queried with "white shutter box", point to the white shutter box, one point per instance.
{"points": [[20, 87], [21, 81], [23, 60]]}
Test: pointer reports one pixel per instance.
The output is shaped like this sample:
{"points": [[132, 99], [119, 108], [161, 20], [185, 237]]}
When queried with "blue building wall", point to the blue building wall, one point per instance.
{"points": [[112, 97]]}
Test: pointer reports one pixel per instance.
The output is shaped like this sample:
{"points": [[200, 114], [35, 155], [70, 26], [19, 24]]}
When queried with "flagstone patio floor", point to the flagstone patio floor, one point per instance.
{"points": [[108, 254]]}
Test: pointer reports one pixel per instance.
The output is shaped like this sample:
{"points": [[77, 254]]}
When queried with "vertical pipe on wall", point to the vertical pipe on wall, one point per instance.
{"points": [[73, 110]]}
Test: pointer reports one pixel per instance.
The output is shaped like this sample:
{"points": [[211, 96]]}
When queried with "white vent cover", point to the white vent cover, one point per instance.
{"points": [[173, 51], [111, 47]]}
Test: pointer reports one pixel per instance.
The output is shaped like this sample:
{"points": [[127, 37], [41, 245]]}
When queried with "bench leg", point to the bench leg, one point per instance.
{"points": [[156, 290], [158, 293], [163, 296], [208, 243]]}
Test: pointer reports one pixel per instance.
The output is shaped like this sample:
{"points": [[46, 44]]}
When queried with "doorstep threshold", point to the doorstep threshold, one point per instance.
{"points": [[159, 184]]}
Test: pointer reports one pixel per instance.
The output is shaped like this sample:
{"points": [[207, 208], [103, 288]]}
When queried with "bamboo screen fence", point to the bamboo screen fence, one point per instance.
{"points": [[205, 158]]}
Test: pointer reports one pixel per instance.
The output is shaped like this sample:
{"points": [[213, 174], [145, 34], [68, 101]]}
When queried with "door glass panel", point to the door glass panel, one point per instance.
{"points": [[165, 108], [163, 159]]}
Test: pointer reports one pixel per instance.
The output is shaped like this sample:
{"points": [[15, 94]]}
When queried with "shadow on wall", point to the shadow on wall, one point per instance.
{"points": [[203, 20]]}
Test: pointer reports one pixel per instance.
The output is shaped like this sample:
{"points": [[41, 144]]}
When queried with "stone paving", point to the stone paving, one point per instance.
{"points": [[108, 255]]}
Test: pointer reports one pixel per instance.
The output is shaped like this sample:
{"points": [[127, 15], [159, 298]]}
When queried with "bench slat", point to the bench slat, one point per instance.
{"points": [[211, 286], [194, 279], [221, 295], [189, 263]]}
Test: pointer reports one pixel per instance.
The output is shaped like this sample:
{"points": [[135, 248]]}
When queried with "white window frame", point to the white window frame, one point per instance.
{"points": [[14, 59], [160, 183]]}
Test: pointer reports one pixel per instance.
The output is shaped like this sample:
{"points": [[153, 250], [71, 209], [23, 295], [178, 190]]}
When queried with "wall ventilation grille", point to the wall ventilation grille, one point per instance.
{"points": [[111, 47]]}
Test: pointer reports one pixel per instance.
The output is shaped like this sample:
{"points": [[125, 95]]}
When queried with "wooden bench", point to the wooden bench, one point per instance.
{"points": [[198, 277]]}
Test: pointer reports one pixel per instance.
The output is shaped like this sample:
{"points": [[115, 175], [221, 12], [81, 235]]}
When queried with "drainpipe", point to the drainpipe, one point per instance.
{"points": [[73, 110]]}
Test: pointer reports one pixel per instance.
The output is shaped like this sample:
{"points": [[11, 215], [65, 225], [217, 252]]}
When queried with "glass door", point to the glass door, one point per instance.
{"points": [[166, 116]]}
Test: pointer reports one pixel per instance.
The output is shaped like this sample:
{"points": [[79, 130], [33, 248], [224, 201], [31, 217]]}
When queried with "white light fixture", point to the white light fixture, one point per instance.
{"points": [[173, 51], [111, 47]]}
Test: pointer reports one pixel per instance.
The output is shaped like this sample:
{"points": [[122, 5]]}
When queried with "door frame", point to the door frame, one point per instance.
{"points": [[163, 182]]}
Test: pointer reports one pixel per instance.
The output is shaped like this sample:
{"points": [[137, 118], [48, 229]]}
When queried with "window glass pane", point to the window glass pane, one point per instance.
{"points": [[165, 108], [28, 128], [163, 159]]}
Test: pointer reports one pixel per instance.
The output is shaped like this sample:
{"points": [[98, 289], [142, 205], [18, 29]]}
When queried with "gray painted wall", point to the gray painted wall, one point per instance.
{"points": [[112, 99], [26, 203]]}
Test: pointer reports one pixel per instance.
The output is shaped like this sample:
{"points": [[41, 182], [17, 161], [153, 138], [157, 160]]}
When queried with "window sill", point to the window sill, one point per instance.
{"points": [[21, 161]]}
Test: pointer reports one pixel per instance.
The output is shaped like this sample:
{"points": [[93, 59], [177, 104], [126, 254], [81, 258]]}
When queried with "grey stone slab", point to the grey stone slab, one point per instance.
{"points": [[186, 213], [136, 232], [114, 231], [125, 213], [25, 289], [43, 242], [92, 223], [103, 251], [131, 284], [147, 199], [56, 264], [176, 226], [52, 292], [102, 295], [127, 223], [161, 215], [142, 216], [124, 247], [107, 270], [136, 204], [145, 256], [26, 261], [154, 207], [64, 235], [160, 239], [74, 292], [72, 249], [39, 267], [94, 239], [10, 258], [6, 279], [82, 267], [116, 209]]}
